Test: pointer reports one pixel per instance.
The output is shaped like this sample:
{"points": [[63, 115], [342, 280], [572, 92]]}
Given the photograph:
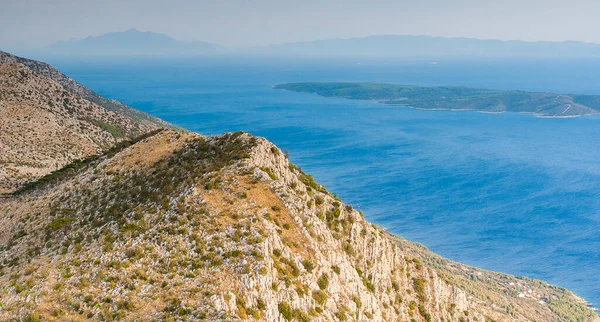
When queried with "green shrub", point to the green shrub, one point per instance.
{"points": [[309, 181], [130, 227], [301, 316], [33, 317], [341, 316], [348, 248], [125, 305], [270, 172], [319, 200], [412, 305], [368, 284], [59, 223], [285, 310], [134, 252], [320, 215], [308, 265], [419, 288], [261, 305], [323, 281], [424, 313], [115, 131], [293, 268], [320, 297], [336, 269]]}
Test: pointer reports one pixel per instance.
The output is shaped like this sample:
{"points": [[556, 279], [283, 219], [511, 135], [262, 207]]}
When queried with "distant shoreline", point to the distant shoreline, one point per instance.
{"points": [[542, 105]]}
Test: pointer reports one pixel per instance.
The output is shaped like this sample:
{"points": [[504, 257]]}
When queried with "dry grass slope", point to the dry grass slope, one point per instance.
{"points": [[45, 124]]}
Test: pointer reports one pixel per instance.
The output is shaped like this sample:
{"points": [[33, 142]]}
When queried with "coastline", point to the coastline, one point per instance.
{"points": [[333, 90]]}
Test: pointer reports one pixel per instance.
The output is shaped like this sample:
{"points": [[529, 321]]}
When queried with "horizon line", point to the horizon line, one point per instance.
{"points": [[313, 40]]}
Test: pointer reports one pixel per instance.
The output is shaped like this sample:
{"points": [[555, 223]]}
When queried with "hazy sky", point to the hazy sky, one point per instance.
{"points": [[38, 23]]}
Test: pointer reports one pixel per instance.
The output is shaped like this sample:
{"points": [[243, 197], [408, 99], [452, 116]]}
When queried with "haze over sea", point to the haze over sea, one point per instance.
{"points": [[505, 192]]}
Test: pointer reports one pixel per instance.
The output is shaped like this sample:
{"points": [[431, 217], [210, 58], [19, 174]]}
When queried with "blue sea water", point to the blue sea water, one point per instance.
{"points": [[505, 192]]}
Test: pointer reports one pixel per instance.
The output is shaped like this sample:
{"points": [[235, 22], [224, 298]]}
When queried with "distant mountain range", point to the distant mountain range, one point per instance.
{"points": [[135, 42], [131, 42], [402, 45]]}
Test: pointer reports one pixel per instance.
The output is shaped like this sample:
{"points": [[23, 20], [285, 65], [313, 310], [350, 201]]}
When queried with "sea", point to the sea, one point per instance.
{"points": [[505, 192]]}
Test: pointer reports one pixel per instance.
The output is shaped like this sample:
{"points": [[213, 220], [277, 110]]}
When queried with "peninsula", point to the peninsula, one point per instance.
{"points": [[543, 104]]}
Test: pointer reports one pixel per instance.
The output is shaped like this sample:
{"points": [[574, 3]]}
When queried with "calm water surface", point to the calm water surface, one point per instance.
{"points": [[505, 192]]}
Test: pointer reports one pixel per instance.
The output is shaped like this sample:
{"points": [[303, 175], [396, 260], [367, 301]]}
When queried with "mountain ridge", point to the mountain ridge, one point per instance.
{"points": [[48, 120], [432, 46], [249, 237], [135, 42]]}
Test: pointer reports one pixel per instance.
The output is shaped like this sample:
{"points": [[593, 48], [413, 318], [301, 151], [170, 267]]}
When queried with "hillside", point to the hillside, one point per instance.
{"points": [[457, 98], [131, 42], [48, 120], [179, 226]]}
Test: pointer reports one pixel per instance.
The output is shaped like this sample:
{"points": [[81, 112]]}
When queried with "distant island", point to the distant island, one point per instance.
{"points": [[542, 104], [131, 42]]}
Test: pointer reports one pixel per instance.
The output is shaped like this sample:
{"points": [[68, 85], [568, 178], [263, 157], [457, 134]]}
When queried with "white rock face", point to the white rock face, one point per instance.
{"points": [[372, 267]]}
